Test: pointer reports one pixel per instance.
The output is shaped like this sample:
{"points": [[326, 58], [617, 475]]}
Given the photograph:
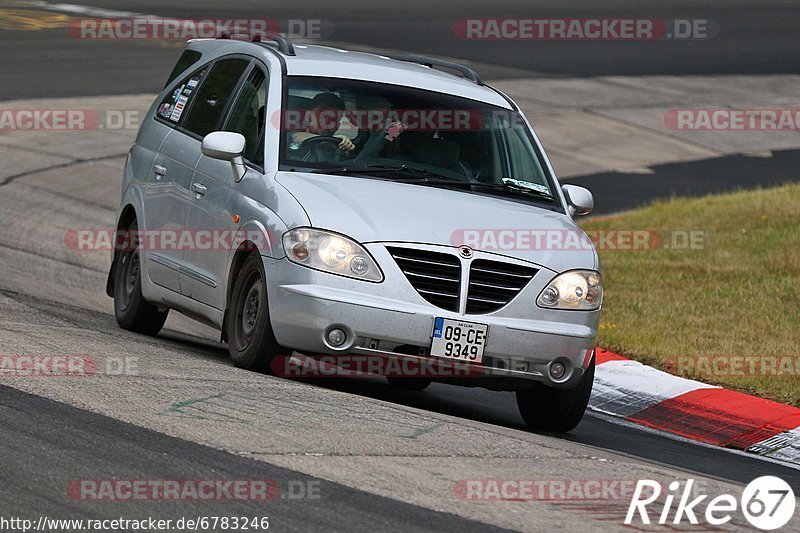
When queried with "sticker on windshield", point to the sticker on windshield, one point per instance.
{"points": [[527, 185]]}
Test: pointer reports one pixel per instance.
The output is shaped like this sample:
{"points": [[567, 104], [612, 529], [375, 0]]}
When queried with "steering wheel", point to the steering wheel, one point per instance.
{"points": [[320, 148]]}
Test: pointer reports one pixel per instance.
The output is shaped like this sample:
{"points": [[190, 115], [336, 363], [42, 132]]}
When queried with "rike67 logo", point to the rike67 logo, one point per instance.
{"points": [[767, 503]]}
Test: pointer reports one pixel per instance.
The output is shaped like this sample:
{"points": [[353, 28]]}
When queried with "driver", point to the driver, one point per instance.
{"points": [[323, 119]]}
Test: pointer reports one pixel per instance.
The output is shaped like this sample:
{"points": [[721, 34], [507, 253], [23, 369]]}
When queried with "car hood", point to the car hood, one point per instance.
{"points": [[374, 210]]}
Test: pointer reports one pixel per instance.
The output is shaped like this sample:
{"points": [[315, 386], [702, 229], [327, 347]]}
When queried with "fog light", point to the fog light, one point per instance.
{"points": [[557, 370], [336, 337]]}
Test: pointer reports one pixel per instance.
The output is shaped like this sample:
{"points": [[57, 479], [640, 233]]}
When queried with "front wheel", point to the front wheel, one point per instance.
{"points": [[556, 410], [251, 341], [133, 312]]}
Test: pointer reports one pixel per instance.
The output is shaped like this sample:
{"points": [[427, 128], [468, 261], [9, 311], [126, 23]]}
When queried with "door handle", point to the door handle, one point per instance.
{"points": [[199, 188], [160, 170]]}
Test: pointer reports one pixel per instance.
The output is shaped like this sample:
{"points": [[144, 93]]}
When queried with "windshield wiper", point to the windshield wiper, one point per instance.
{"points": [[514, 185], [421, 174]]}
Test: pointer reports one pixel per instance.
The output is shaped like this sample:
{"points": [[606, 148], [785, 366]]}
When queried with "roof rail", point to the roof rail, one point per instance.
{"points": [[284, 45], [465, 71]]}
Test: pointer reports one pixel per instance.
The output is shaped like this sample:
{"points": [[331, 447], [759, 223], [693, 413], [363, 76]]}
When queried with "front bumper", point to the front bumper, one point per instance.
{"points": [[382, 319]]}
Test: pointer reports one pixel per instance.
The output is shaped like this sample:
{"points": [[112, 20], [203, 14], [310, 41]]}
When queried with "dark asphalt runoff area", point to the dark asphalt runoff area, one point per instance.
{"points": [[616, 191]]}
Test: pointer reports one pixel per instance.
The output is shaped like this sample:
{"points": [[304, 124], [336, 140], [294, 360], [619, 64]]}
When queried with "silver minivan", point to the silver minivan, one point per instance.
{"points": [[322, 204]]}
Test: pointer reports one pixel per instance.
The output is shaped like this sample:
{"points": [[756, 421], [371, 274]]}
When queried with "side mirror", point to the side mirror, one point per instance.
{"points": [[580, 200], [226, 146]]}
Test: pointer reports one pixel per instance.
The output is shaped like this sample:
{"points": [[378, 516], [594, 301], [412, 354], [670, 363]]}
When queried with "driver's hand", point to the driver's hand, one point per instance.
{"points": [[346, 144]]}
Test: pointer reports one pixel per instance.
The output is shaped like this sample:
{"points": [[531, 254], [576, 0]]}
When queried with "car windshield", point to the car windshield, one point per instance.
{"points": [[339, 126]]}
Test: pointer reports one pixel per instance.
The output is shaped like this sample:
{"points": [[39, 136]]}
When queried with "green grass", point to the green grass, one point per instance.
{"points": [[737, 296]]}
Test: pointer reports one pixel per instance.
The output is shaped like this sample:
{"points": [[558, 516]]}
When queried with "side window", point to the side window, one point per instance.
{"points": [[213, 95], [187, 59], [173, 106], [247, 116]]}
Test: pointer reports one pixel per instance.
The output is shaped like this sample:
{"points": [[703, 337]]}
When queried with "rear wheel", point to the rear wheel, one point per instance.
{"points": [[251, 341], [133, 312], [556, 410]]}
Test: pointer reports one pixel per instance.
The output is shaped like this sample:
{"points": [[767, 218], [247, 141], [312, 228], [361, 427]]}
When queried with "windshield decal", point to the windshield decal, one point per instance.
{"points": [[527, 185]]}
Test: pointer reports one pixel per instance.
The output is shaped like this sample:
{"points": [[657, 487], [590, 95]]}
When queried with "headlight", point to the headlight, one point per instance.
{"points": [[330, 252], [581, 290]]}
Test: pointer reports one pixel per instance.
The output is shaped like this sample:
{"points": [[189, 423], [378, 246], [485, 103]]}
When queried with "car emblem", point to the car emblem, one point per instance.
{"points": [[466, 252]]}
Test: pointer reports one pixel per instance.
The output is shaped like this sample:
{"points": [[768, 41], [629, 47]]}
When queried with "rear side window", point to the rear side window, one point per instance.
{"points": [[213, 95], [187, 59], [172, 107]]}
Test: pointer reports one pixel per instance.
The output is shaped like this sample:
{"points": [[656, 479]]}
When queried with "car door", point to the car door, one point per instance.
{"points": [[205, 114], [167, 190], [211, 211]]}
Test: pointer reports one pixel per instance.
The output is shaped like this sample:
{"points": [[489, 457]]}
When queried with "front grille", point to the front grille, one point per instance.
{"points": [[435, 276], [493, 284]]}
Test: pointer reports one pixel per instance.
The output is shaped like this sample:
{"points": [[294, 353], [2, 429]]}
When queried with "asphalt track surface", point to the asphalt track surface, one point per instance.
{"points": [[45, 443]]}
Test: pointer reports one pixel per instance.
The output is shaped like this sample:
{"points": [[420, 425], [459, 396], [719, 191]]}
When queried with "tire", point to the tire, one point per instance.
{"points": [[417, 384], [133, 312], [251, 341], [556, 410]]}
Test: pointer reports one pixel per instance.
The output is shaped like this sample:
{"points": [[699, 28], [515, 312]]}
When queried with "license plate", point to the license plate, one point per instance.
{"points": [[455, 339]]}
